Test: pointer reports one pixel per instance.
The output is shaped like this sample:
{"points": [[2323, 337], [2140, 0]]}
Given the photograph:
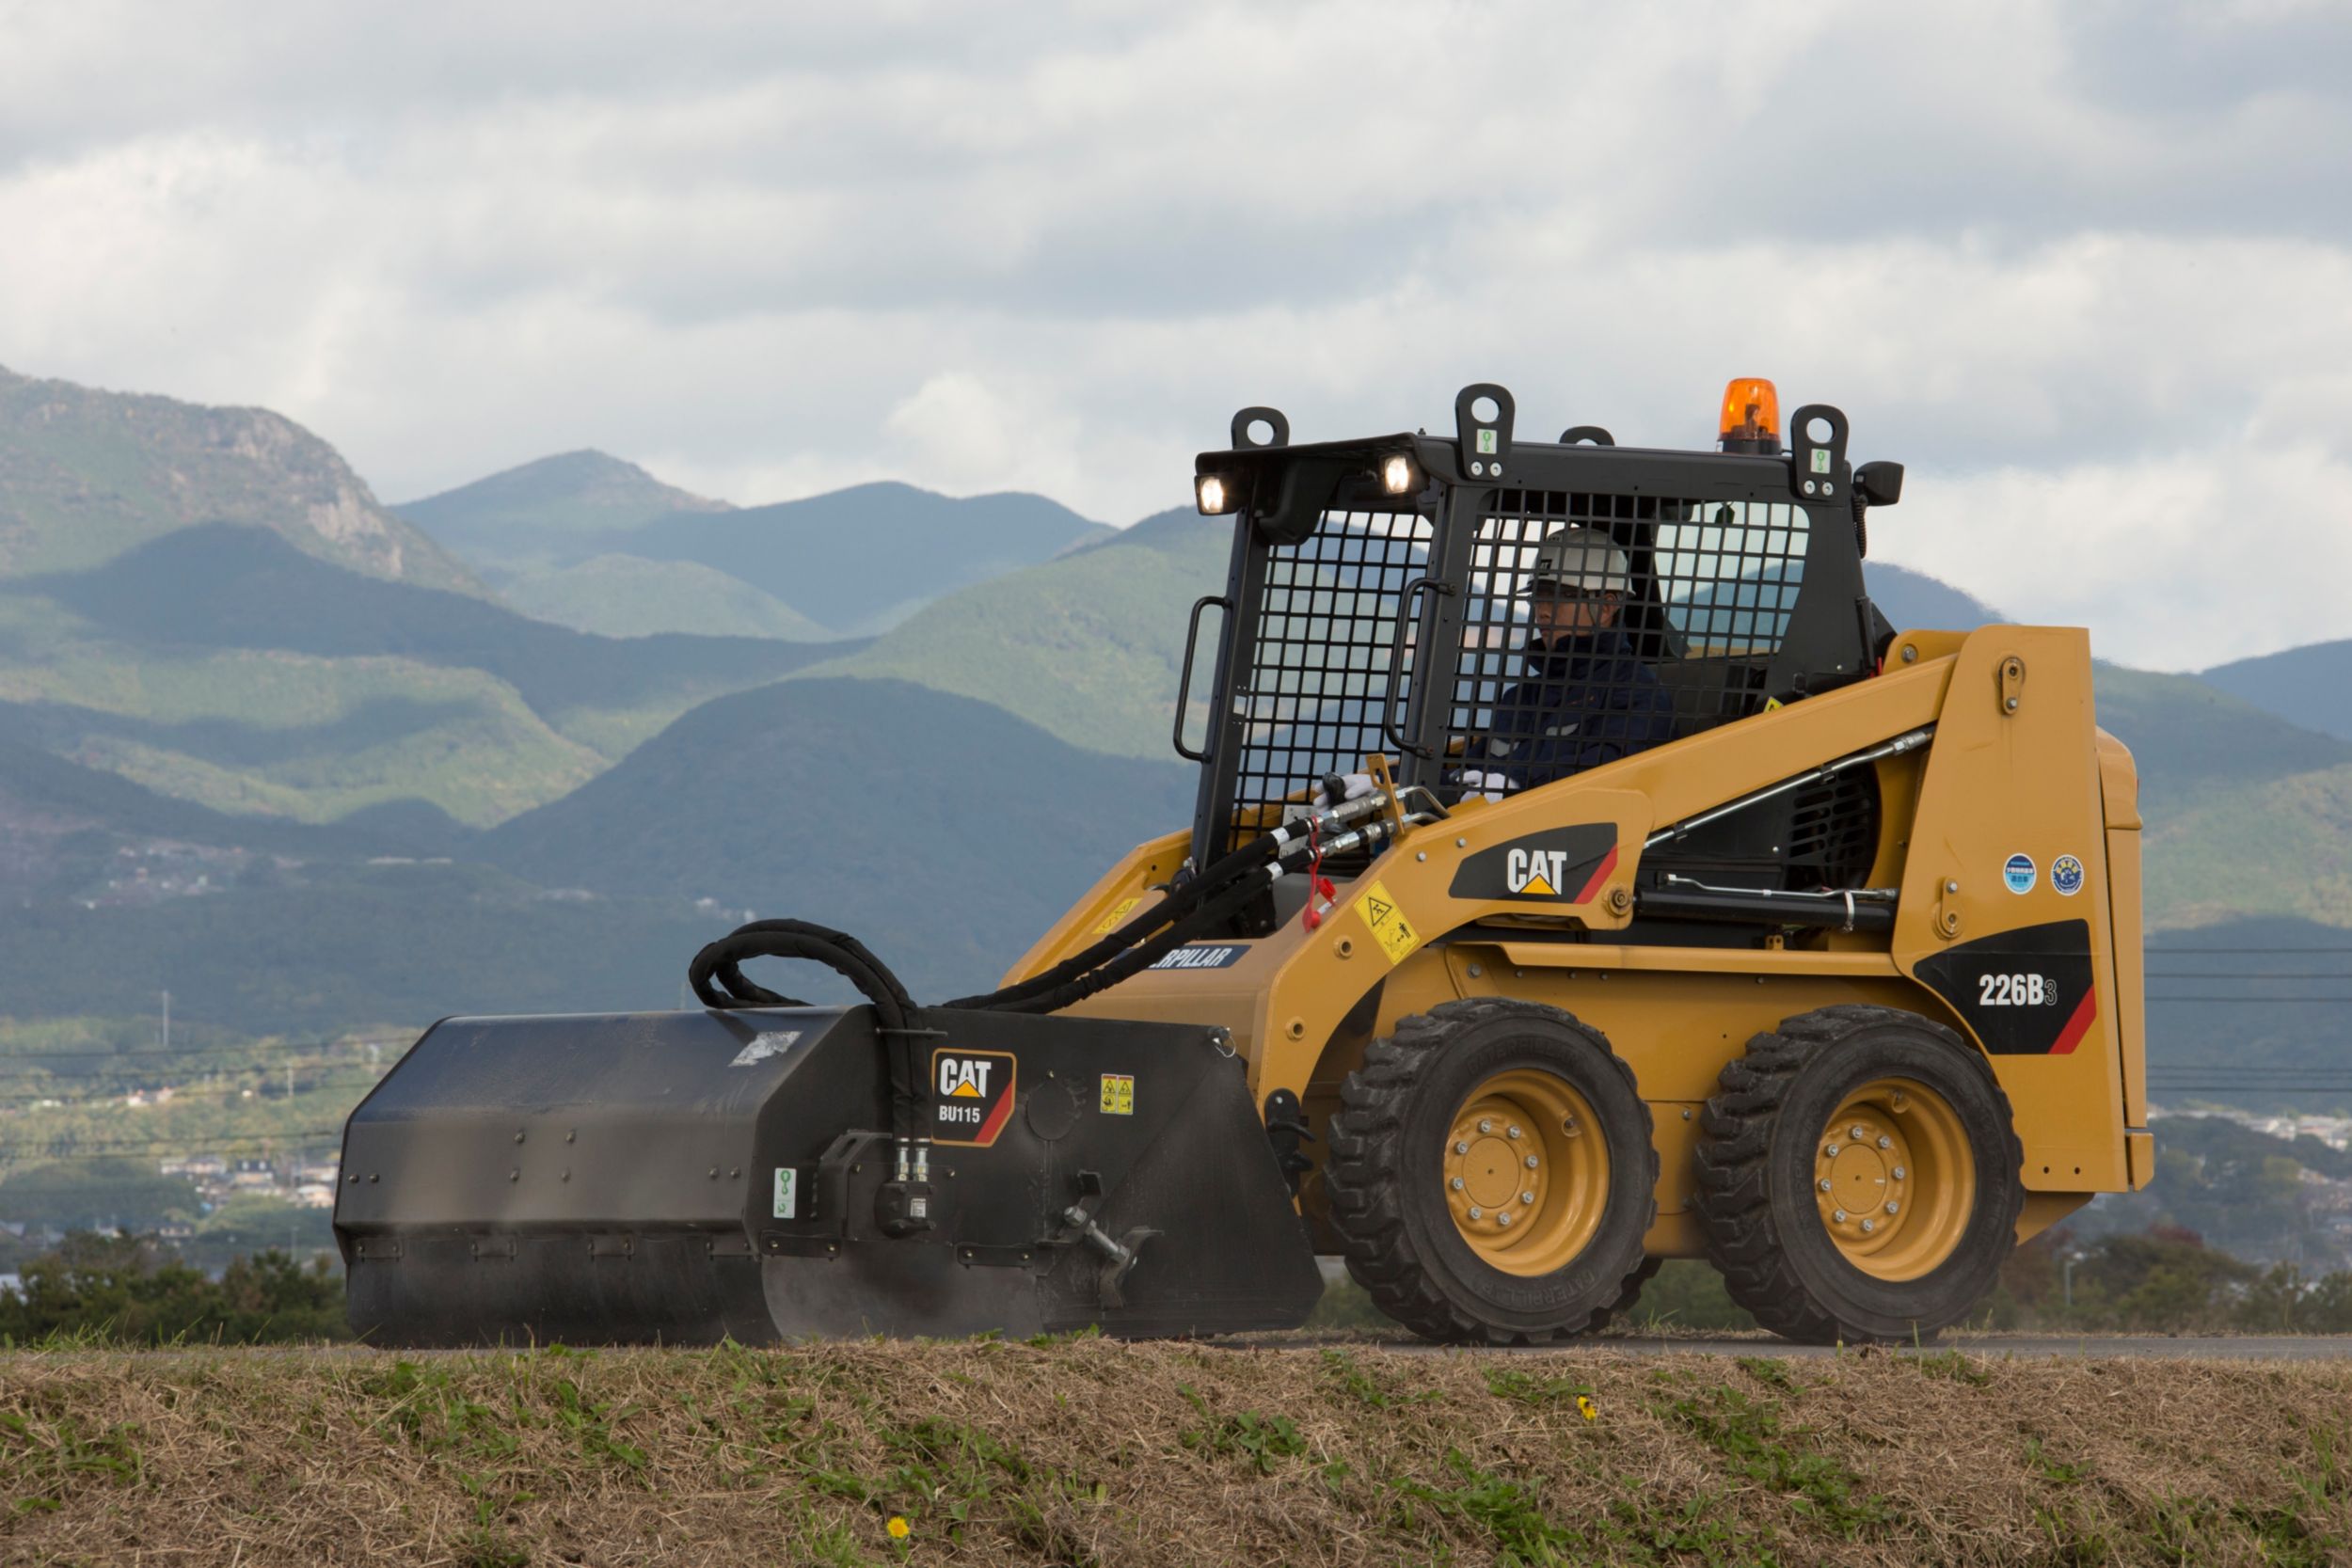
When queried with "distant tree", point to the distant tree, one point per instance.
{"points": [[125, 1289]]}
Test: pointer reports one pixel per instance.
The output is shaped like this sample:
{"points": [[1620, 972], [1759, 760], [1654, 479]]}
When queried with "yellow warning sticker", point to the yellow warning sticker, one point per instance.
{"points": [[1773, 704], [1389, 928], [1119, 1094], [1117, 918]]}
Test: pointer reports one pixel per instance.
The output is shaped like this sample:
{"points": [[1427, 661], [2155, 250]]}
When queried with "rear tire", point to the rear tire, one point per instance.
{"points": [[1430, 1151], [1827, 1236]]}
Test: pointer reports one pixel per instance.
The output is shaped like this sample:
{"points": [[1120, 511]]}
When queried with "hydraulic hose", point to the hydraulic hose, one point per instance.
{"points": [[1179, 903], [1236, 897], [717, 979]]}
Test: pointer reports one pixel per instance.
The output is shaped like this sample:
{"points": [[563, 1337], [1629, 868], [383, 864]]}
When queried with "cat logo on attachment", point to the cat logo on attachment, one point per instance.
{"points": [[972, 1093]]}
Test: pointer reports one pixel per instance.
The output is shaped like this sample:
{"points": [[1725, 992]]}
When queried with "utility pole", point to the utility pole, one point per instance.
{"points": [[166, 1022]]}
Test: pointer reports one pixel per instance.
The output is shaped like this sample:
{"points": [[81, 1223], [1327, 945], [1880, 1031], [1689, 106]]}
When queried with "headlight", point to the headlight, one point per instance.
{"points": [[1396, 475], [1210, 492]]}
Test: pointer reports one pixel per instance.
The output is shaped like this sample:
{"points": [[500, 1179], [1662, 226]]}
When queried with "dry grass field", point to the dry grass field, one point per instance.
{"points": [[1087, 1452]]}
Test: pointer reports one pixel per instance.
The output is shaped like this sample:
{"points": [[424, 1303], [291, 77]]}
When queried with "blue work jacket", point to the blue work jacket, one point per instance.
{"points": [[1586, 702]]}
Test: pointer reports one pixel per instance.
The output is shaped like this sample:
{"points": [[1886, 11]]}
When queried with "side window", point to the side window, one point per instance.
{"points": [[1730, 577]]}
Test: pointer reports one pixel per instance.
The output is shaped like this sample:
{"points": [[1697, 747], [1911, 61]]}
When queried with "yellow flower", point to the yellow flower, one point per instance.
{"points": [[1586, 1408], [897, 1529]]}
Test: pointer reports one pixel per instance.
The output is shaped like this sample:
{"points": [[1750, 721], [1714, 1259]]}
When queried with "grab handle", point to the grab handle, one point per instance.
{"points": [[1388, 731], [1184, 681]]}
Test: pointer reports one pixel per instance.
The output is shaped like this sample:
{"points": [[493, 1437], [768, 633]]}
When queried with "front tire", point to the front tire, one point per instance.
{"points": [[1859, 1179], [1491, 1174]]}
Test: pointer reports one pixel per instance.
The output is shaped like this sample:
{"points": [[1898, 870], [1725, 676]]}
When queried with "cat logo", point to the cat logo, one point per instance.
{"points": [[1559, 866], [971, 1095], [1534, 872]]}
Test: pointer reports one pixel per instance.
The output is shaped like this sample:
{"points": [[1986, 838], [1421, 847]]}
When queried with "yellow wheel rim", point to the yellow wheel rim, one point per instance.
{"points": [[1893, 1178], [1526, 1172]]}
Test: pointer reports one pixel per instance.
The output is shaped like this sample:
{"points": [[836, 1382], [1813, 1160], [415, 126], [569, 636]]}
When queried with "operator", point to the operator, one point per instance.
{"points": [[1587, 698]]}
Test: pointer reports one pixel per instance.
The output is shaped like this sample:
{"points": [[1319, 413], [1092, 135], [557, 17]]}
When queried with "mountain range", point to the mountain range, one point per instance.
{"points": [[600, 544], [305, 772]]}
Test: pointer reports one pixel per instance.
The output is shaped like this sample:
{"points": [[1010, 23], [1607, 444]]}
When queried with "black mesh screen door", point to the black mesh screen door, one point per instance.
{"points": [[1328, 646]]}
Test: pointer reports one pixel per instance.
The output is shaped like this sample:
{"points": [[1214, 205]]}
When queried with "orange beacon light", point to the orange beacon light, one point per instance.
{"points": [[1751, 417]]}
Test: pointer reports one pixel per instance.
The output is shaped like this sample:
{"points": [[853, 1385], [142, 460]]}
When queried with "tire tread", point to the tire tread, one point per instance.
{"points": [[1364, 1155]]}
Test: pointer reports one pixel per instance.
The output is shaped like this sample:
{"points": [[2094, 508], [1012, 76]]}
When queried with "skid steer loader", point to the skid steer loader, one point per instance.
{"points": [[1585, 874]]}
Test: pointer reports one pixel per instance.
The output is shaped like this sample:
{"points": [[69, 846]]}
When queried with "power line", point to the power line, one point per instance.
{"points": [[2266, 952], [2235, 974]]}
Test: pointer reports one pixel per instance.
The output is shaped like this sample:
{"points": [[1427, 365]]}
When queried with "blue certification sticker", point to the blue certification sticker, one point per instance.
{"points": [[2066, 874], [2018, 873]]}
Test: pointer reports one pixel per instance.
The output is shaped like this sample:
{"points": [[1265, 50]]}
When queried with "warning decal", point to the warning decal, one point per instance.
{"points": [[972, 1094], [1119, 1094], [1396, 936], [1117, 918]]}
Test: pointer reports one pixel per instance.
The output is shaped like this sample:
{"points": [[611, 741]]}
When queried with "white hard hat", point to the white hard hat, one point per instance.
{"points": [[1580, 558]]}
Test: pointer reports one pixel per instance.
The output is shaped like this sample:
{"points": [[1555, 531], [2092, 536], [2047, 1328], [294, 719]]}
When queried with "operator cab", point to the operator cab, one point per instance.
{"points": [[1377, 602]]}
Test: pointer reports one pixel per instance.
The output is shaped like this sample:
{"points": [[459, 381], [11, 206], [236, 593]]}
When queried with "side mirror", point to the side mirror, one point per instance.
{"points": [[1880, 483]]}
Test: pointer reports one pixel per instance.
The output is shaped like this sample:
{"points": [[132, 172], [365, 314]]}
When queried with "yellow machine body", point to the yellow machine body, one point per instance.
{"points": [[2016, 772]]}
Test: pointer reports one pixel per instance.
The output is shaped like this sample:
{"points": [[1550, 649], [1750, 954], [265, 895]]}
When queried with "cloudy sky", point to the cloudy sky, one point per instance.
{"points": [[2087, 268]]}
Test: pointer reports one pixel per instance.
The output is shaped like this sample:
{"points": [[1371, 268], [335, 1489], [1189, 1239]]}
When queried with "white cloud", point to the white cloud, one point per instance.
{"points": [[2049, 254]]}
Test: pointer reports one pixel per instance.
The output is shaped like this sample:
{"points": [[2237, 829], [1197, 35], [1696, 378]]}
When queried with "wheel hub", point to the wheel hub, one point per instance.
{"points": [[1525, 1182], [1893, 1178]]}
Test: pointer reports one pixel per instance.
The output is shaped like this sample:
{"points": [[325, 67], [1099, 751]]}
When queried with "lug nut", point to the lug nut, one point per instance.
{"points": [[1527, 1197], [1831, 1150], [1899, 1173], [1503, 1218], [1855, 1132], [1838, 1216], [1512, 1131], [1531, 1161], [1885, 1142], [1485, 1125], [1825, 1183], [1476, 1213], [1460, 1148], [1894, 1208], [1869, 1226], [1455, 1183]]}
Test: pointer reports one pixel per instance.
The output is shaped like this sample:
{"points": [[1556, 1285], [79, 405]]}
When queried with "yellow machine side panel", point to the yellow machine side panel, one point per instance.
{"points": [[2007, 885], [2119, 793]]}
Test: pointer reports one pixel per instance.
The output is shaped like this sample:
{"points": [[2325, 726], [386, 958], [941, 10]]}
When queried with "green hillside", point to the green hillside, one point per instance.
{"points": [[627, 596], [311, 951], [87, 475], [221, 665], [2246, 815], [862, 559], [1087, 647], [2310, 685], [942, 832], [554, 509]]}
